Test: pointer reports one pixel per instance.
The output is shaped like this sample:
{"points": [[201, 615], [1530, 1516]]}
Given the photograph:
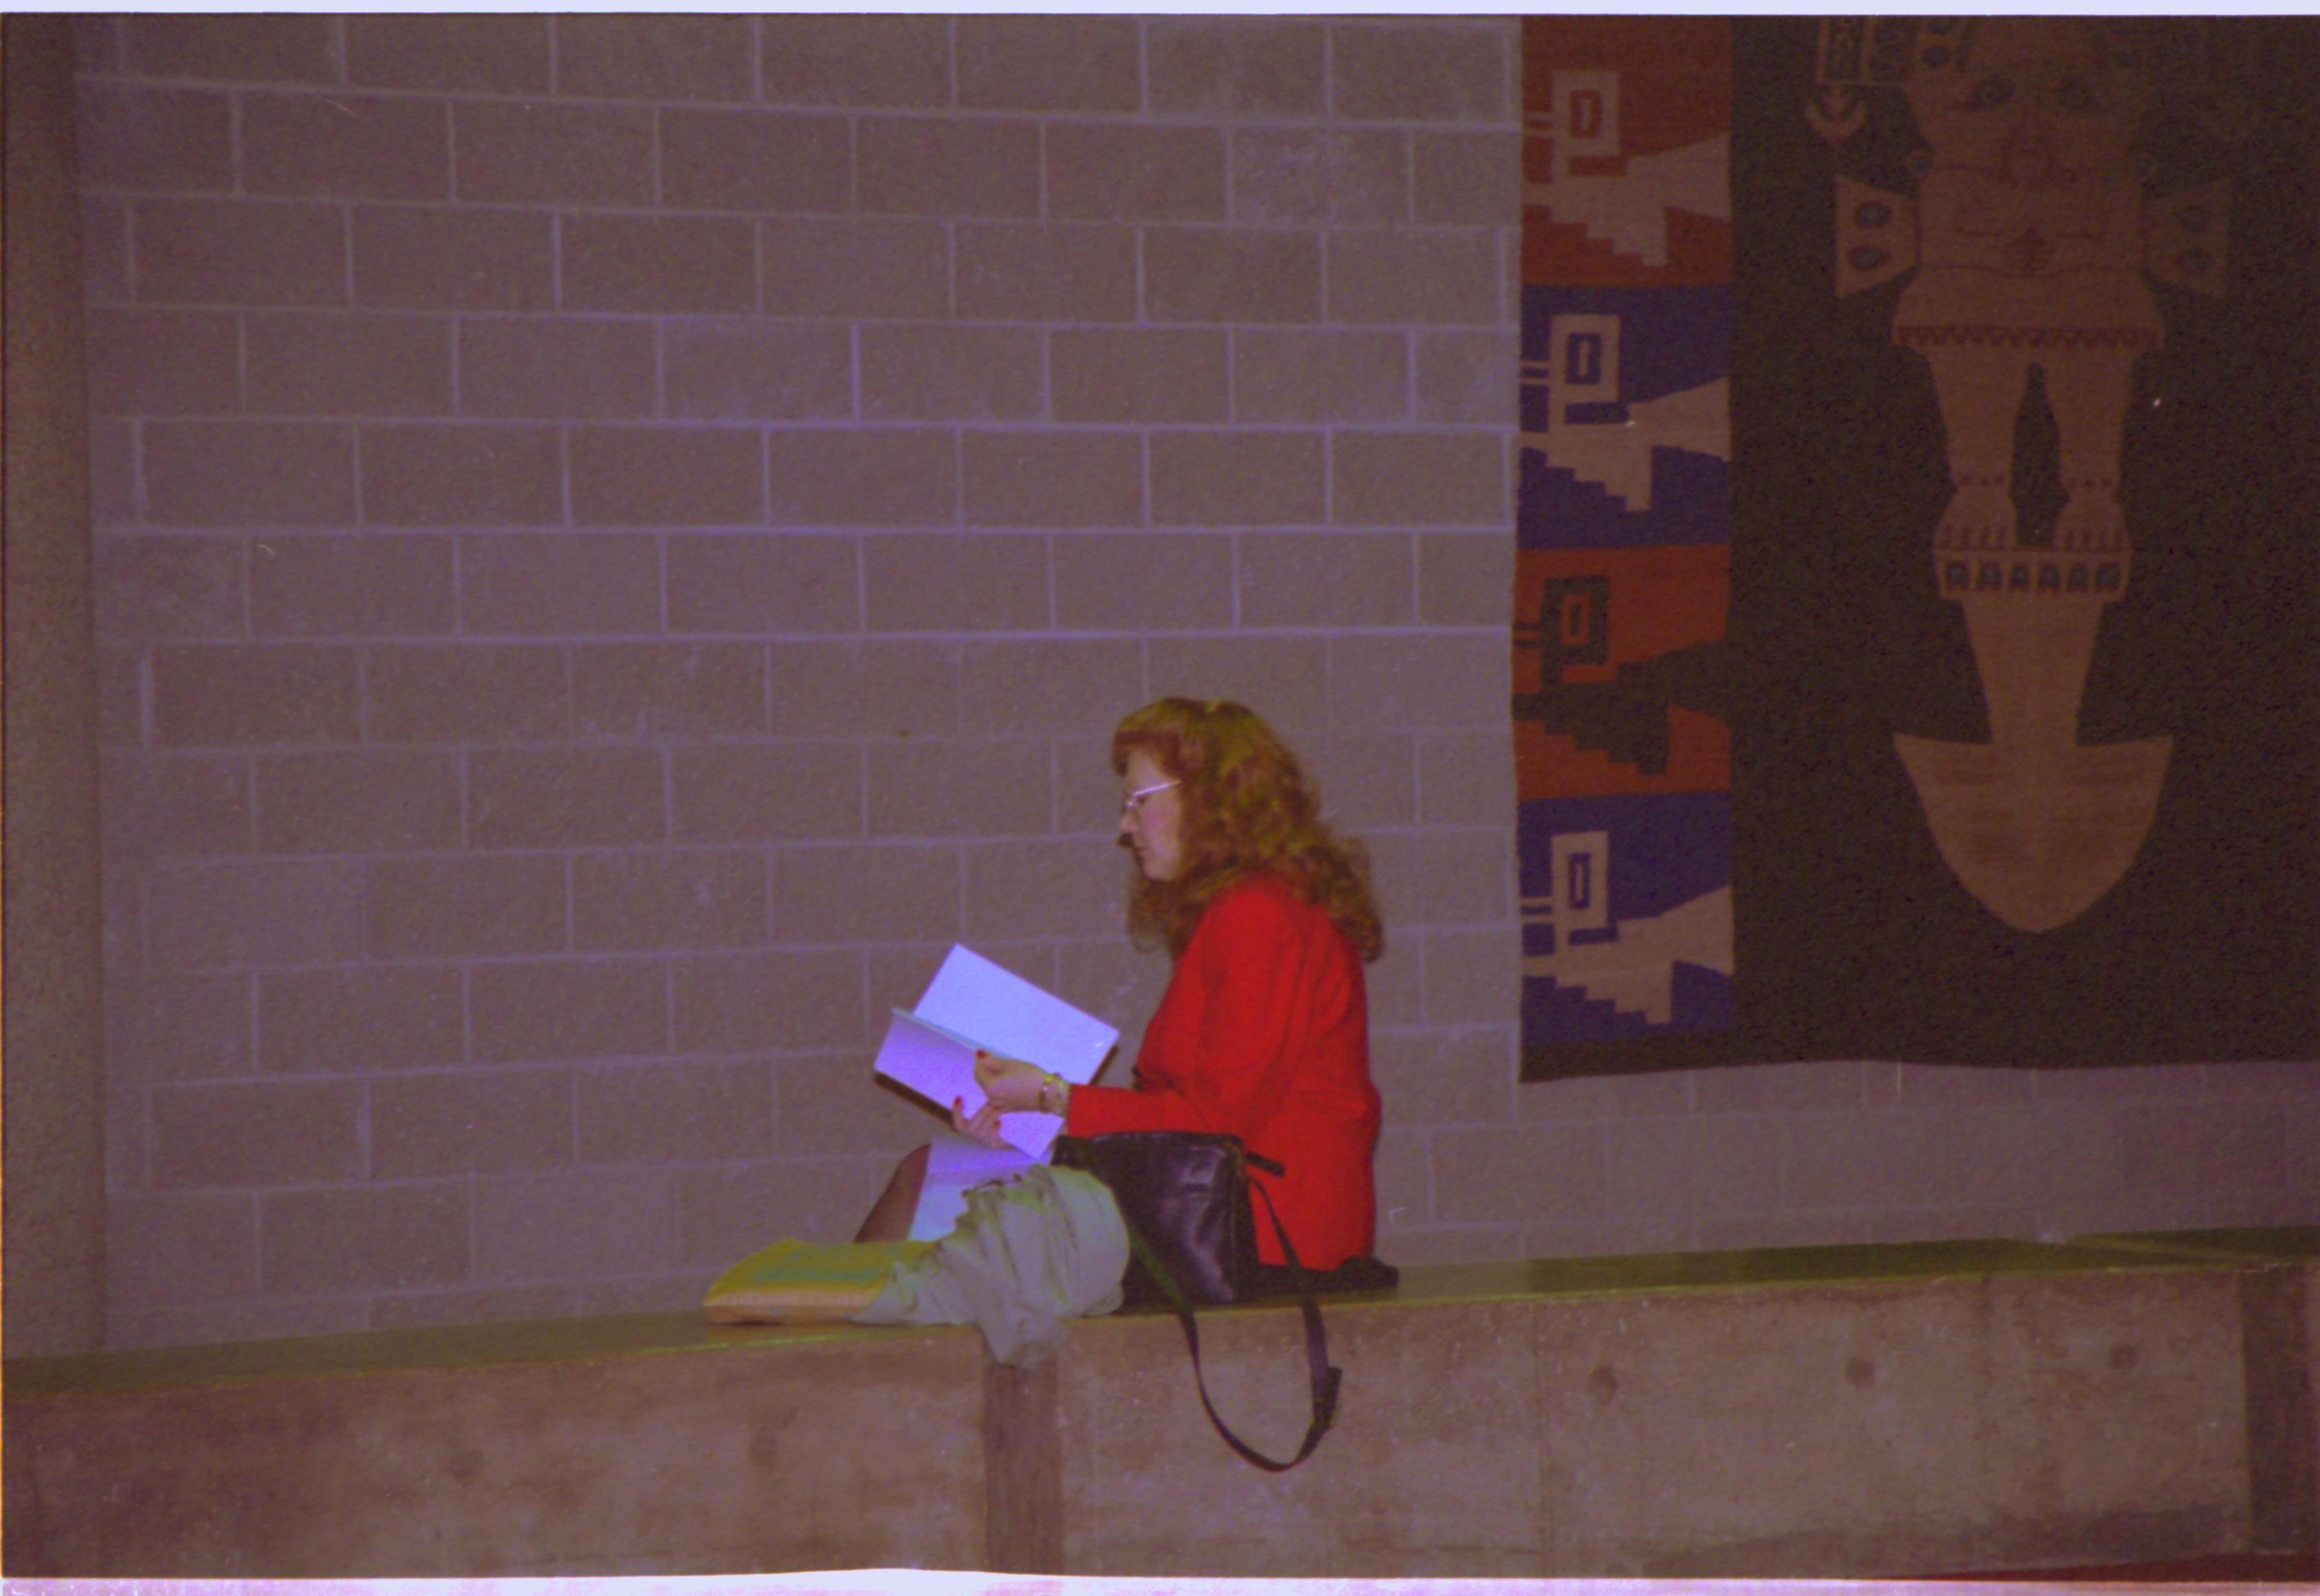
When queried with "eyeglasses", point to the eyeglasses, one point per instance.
{"points": [[1132, 806]]}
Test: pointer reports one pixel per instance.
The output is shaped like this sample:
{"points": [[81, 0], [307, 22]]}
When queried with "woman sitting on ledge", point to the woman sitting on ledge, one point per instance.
{"points": [[1264, 1030]]}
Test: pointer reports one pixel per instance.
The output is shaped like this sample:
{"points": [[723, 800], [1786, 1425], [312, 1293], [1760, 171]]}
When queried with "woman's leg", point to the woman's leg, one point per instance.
{"points": [[890, 1216]]}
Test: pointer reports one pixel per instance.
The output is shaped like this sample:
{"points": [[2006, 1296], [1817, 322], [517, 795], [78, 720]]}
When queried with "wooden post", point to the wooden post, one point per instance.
{"points": [[1022, 1470]]}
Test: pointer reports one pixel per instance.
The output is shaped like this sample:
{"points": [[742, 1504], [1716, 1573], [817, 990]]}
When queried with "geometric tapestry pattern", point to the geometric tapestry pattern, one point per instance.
{"points": [[1915, 648]]}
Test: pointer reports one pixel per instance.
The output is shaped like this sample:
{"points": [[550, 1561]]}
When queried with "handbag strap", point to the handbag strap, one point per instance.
{"points": [[1325, 1378]]}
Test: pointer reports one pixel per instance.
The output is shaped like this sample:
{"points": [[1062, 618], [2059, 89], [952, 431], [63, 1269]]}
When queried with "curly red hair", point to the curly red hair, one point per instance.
{"points": [[1244, 807]]}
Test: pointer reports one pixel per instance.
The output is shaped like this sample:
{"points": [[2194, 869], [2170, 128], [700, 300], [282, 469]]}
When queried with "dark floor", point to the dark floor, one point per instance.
{"points": [[2283, 1568]]}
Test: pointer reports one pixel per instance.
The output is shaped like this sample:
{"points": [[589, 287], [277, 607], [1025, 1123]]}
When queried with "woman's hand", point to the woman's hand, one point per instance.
{"points": [[982, 1126], [1011, 1084]]}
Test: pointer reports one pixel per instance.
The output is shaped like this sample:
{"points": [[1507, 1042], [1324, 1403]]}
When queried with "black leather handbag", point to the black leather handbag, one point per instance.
{"points": [[1184, 1196]]}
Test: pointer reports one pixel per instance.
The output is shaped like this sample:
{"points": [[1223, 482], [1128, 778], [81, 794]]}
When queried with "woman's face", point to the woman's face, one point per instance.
{"points": [[1149, 808]]}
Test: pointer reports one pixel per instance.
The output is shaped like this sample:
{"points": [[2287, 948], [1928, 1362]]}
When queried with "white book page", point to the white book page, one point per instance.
{"points": [[952, 1165], [970, 996], [938, 1064]]}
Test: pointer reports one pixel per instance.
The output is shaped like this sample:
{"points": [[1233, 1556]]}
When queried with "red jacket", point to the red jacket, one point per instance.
{"points": [[1263, 1032]]}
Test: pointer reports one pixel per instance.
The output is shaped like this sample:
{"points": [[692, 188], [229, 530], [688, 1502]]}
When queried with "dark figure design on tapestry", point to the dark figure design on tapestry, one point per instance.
{"points": [[2027, 239]]}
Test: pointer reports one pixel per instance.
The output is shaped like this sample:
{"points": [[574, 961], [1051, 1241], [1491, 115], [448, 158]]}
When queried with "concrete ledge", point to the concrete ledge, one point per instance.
{"points": [[1846, 1413], [657, 1443], [2280, 1320], [1821, 1413]]}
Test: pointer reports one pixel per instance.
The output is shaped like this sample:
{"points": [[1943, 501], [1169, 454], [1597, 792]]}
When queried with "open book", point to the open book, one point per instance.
{"points": [[975, 1003], [930, 1049]]}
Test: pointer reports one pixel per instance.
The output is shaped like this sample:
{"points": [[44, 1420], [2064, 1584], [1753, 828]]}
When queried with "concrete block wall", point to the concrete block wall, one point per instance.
{"points": [[618, 537]]}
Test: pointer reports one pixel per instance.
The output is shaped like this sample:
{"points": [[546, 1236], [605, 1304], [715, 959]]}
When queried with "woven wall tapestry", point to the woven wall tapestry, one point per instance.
{"points": [[1915, 616]]}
